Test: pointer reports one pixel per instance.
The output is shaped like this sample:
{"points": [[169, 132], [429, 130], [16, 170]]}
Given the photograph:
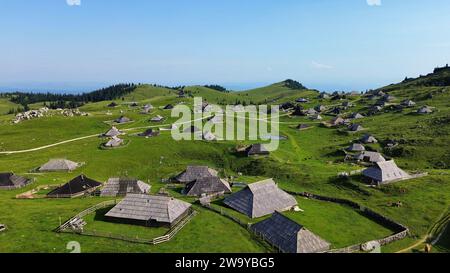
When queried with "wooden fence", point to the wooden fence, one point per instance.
{"points": [[227, 215], [158, 240], [401, 231]]}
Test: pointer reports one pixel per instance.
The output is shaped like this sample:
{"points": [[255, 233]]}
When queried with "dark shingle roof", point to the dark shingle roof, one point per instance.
{"points": [[78, 185], [355, 128], [257, 149], [149, 133], [207, 185], [260, 199], [368, 139], [10, 180], [289, 236], [122, 119]]}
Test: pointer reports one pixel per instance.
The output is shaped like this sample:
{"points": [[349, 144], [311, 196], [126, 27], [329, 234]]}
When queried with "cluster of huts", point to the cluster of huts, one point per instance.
{"points": [[112, 135], [139, 207], [381, 170]]}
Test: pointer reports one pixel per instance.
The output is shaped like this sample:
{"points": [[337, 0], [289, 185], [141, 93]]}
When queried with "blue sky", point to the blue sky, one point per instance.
{"points": [[325, 44]]}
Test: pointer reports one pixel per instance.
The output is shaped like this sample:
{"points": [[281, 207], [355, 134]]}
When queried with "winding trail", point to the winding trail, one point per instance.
{"points": [[96, 135], [440, 225]]}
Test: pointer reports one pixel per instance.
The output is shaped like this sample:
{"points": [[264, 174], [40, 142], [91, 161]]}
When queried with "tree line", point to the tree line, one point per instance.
{"points": [[54, 101]]}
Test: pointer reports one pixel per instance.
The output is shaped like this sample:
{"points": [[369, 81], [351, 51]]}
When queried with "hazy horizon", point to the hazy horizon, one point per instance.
{"points": [[81, 45]]}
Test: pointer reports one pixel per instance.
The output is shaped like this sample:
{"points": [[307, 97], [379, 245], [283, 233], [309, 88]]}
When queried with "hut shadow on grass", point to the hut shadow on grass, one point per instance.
{"points": [[100, 214], [349, 184]]}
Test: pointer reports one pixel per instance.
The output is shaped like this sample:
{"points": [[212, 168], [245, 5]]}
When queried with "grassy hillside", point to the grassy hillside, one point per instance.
{"points": [[307, 161], [6, 106], [276, 93]]}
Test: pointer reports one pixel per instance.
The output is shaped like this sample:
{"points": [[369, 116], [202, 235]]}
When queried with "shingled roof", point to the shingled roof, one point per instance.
{"points": [[158, 118], [355, 128], [356, 116], [149, 133], [260, 199], [12, 181], [425, 110], [149, 208], [289, 236], [193, 173], [303, 126], [122, 119], [368, 139], [356, 147], [56, 165], [76, 187], [114, 142], [206, 186], [112, 132], [337, 121], [257, 149], [123, 186], [385, 172], [372, 157]]}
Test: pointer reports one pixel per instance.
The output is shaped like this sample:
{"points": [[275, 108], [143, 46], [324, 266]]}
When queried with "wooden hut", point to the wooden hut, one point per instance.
{"points": [[370, 157], [366, 139], [114, 142], [59, 165], [78, 186], [356, 147], [122, 119], [192, 173], [112, 132], [207, 186], [384, 173], [124, 186], [260, 199], [10, 181], [289, 236], [149, 210], [257, 150]]}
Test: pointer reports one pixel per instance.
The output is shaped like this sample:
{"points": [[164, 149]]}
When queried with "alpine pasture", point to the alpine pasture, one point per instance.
{"points": [[307, 161]]}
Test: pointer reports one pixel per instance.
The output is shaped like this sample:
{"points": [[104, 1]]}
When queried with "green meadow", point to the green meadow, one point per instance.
{"points": [[308, 160]]}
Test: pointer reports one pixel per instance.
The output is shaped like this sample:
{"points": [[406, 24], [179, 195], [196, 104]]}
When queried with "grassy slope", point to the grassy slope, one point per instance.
{"points": [[276, 93], [6, 105], [307, 161]]}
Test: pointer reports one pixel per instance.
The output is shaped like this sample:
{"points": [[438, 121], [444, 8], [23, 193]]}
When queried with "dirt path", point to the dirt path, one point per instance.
{"points": [[96, 135], [86, 137], [442, 222]]}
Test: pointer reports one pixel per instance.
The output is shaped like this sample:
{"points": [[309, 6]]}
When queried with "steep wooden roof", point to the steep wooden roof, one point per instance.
{"points": [[59, 165], [123, 186], [384, 172], [289, 236], [144, 207], [76, 186], [193, 173], [10, 180], [207, 185], [260, 199]]}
